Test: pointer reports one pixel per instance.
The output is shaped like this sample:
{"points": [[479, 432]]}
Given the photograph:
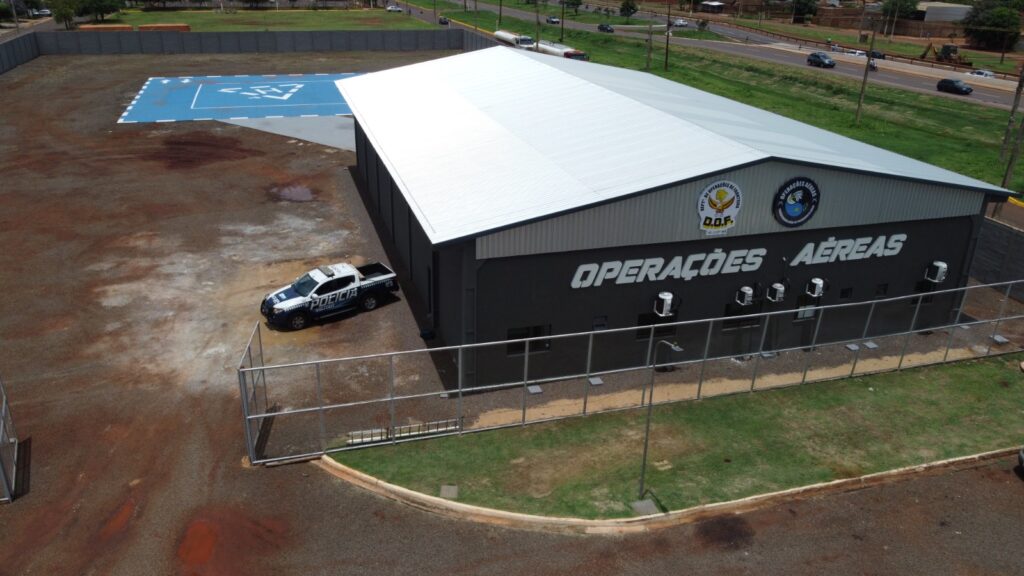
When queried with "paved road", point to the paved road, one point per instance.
{"points": [[752, 45]]}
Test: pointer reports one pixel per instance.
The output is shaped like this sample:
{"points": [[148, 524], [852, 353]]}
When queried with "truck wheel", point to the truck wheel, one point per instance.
{"points": [[298, 321], [369, 302]]}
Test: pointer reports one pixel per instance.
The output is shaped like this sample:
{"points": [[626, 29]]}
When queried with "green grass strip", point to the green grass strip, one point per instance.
{"points": [[274, 20], [721, 449]]}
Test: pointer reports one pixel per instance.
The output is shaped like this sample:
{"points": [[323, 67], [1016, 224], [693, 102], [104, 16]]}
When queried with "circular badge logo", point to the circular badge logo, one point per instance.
{"points": [[718, 205], [796, 201]]}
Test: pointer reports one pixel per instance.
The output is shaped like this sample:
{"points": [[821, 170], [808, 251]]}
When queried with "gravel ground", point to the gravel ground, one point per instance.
{"points": [[134, 258]]}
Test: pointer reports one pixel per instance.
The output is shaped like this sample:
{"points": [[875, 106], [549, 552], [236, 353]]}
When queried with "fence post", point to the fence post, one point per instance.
{"points": [[526, 377], [459, 405], [250, 448], [863, 337], [263, 373], [760, 350], [6, 479], [650, 345], [704, 358], [586, 377], [391, 396], [956, 322], [320, 411], [814, 343], [999, 318], [906, 341]]}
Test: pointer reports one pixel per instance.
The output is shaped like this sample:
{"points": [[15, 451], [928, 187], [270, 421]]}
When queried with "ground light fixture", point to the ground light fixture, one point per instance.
{"points": [[650, 405]]}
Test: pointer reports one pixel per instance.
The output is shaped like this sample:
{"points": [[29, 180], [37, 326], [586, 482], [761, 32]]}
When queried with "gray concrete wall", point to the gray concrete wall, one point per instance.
{"points": [[997, 257], [17, 51]]}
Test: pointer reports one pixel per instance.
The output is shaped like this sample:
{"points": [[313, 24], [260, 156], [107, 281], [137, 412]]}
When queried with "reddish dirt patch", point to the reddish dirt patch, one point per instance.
{"points": [[119, 521], [195, 149], [218, 541]]}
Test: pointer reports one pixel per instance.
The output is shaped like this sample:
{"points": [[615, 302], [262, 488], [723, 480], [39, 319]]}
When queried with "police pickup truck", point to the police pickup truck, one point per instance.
{"points": [[326, 291]]}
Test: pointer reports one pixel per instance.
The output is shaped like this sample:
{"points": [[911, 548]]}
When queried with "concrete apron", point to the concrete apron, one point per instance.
{"points": [[640, 524]]}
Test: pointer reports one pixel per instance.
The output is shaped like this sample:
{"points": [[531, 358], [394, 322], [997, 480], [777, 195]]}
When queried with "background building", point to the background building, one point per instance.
{"points": [[526, 195]]}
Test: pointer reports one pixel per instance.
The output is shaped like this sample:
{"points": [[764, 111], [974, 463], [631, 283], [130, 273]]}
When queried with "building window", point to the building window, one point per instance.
{"points": [[516, 348], [806, 307], [846, 293], [734, 309], [659, 331], [881, 290]]}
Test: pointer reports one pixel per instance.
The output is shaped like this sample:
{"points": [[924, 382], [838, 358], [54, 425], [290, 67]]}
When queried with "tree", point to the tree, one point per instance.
{"points": [[627, 8], [64, 12], [993, 24], [574, 4], [902, 8], [805, 8], [97, 8]]}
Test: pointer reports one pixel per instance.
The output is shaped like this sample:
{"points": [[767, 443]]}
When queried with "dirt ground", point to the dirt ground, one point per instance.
{"points": [[134, 259]]}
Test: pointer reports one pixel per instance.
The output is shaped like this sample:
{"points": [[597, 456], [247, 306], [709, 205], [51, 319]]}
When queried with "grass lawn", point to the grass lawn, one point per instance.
{"points": [[721, 448], [243, 20], [959, 136]]}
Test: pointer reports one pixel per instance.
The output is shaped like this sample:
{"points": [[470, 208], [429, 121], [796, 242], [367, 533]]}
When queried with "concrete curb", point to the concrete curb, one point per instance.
{"points": [[638, 524]]}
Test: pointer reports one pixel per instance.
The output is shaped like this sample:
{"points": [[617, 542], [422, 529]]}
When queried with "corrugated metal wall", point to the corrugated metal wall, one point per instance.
{"points": [[671, 215], [17, 51], [91, 42]]}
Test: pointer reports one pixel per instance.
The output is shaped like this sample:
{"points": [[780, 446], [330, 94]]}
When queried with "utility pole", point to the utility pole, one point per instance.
{"points": [[668, 31], [536, 12], [867, 68], [895, 17], [1008, 175], [1013, 115], [561, 23], [499, 13], [650, 44], [863, 9]]}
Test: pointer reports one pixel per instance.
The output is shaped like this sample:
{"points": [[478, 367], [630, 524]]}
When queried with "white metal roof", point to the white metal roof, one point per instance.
{"points": [[492, 138]]}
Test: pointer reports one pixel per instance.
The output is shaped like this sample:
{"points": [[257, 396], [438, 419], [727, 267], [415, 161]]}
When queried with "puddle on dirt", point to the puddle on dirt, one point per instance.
{"points": [[292, 193], [727, 533], [194, 149]]}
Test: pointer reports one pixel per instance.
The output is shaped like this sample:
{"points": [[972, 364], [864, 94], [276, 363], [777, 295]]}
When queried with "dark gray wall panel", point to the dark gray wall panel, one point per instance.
{"points": [[191, 44], [282, 42], [229, 43], [997, 255], [110, 44], [210, 42], [171, 41], [357, 41], [151, 43], [303, 41], [131, 43], [47, 43], [247, 42], [89, 42], [67, 44], [321, 41]]}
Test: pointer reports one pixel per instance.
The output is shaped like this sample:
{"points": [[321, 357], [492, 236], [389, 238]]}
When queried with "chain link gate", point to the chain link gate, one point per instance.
{"points": [[8, 449]]}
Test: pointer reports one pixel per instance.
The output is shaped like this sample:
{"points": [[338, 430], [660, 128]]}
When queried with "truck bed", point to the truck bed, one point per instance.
{"points": [[373, 271]]}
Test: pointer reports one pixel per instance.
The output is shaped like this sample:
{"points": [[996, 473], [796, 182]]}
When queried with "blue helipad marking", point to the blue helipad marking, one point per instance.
{"points": [[237, 98]]}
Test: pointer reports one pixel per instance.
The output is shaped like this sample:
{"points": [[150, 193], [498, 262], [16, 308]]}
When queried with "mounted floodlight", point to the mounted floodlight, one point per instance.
{"points": [[745, 296], [816, 287], [936, 272], [663, 304], [776, 292]]}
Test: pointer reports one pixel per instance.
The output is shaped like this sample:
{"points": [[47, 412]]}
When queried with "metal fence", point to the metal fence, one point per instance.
{"points": [[306, 409], [8, 449]]}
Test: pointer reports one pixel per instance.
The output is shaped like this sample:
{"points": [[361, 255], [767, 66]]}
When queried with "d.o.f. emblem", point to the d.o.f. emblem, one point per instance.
{"points": [[718, 205], [796, 201]]}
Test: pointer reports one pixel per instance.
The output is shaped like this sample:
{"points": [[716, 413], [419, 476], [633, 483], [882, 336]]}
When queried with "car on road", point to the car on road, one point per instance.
{"points": [[394, 8], [982, 73], [443, 20], [605, 28], [853, 52], [327, 291], [553, 20], [876, 54], [680, 23], [41, 13], [954, 86], [821, 60]]}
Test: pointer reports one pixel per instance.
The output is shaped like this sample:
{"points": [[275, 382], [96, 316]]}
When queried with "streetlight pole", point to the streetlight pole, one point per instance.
{"points": [[867, 67], [561, 23], [668, 31], [650, 406]]}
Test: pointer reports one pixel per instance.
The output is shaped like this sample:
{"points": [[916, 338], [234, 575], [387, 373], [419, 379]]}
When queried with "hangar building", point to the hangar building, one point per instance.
{"points": [[527, 195]]}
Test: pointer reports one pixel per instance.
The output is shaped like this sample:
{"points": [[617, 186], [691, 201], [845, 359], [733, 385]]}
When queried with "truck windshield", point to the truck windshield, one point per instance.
{"points": [[304, 285]]}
